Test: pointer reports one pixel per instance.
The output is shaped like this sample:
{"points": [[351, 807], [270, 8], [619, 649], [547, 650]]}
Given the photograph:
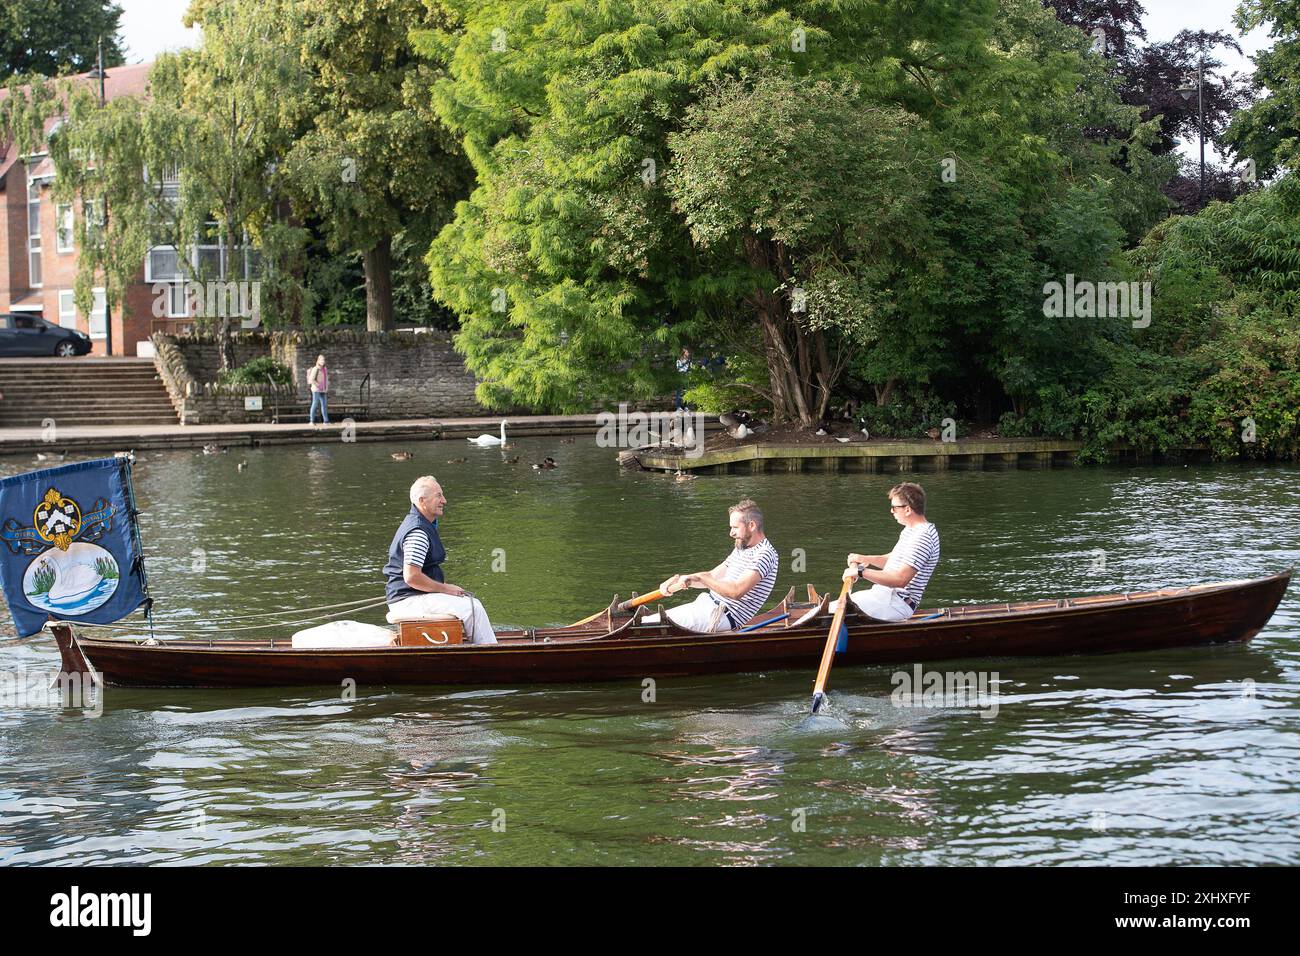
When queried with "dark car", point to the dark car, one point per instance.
{"points": [[31, 335]]}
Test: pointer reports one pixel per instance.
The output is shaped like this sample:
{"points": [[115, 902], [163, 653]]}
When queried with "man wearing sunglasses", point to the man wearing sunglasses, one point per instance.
{"points": [[898, 579]]}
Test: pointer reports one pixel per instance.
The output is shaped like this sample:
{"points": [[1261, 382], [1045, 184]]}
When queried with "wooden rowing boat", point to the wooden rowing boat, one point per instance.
{"points": [[619, 646]]}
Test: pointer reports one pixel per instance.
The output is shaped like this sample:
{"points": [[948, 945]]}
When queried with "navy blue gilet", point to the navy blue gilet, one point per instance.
{"points": [[396, 588]]}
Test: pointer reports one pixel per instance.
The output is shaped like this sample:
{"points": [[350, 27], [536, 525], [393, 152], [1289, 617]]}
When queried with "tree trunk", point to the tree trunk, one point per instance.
{"points": [[789, 374], [884, 393], [225, 344], [825, 374], [379, 285]]}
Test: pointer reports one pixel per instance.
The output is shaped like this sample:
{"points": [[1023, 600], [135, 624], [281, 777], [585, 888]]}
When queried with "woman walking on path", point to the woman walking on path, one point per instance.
{"points": [[319, 380]]}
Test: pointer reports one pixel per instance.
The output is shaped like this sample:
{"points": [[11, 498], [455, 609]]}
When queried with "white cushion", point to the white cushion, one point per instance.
{"points": [[344, 634], [398, 614]]}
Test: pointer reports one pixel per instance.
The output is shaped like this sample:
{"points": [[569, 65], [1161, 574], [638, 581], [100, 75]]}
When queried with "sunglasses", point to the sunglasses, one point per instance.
{"points": [[896, 507]]}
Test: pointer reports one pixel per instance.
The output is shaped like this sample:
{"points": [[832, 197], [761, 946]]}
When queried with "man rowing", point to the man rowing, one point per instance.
{"points": [[735, 590], [898, 579], [415, 586]]}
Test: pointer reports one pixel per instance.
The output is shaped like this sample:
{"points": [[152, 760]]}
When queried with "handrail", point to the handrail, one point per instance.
{"points": [[275, 400], [365, 384]]}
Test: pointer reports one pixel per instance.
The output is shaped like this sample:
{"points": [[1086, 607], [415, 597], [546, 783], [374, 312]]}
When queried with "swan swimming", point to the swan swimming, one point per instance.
{"points": [[485, 440]]}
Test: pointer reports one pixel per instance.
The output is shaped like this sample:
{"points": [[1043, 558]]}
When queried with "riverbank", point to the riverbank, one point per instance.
{"points": [[71, 439], [890, 455]]}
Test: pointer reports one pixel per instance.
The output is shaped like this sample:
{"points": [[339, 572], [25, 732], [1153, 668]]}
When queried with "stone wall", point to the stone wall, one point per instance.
{"points": [[411, 374], [203, 360], [204, 402]]}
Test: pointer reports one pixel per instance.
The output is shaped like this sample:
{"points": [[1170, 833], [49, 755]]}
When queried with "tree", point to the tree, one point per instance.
{"points": [[653, 176], [53, 37], [1268, 133], [809, 198], [369, 159], [1155, 77], [572, 273], [205, 124]]}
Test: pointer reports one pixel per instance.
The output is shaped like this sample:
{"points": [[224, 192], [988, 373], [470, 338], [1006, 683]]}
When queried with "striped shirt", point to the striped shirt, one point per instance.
{"points": [[415, 548], [761, 558], [918, 547]]}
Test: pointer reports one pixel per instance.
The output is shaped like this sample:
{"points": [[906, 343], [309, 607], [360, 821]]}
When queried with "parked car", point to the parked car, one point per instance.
{"points": [[31, 335]]}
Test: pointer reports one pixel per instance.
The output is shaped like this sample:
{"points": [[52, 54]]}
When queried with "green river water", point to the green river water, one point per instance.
{"points": [[1176, 757]]}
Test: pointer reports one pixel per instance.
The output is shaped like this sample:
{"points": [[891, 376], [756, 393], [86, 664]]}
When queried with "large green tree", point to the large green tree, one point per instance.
{"points": [[1268, 133], [369, 160], [630, 199], [189, 163], [53, 37]]}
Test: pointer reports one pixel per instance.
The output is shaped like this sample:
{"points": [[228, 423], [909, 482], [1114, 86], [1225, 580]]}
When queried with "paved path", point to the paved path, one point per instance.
{"points": [[26, 441]]}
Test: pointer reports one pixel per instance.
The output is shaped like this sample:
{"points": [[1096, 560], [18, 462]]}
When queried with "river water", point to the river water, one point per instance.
{"points": [[1176, 757]]}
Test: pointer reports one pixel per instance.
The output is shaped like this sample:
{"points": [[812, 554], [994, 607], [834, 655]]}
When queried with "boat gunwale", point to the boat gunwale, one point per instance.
{"points": [[669, 634]]}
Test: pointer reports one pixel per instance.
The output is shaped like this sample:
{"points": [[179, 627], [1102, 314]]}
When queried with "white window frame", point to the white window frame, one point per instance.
{"points": [[177, 305], [35, 272], [93, 210], [96, 317], [62, 209], [67, 306]]}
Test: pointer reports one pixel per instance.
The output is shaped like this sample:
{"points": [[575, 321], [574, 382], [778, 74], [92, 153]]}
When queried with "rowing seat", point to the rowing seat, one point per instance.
{"points": [[438, 631]]}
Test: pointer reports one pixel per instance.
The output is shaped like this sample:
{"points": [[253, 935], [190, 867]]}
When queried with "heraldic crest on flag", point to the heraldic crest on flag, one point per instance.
{"points": [[69, 563]]}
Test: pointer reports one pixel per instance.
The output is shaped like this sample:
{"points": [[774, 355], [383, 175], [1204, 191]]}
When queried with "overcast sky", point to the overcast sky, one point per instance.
{"points": [[152, 26]]}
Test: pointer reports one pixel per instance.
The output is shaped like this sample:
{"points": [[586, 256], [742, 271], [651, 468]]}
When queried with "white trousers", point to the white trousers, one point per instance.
{"points": [[700, 615], [879, 602], [478, 629]]}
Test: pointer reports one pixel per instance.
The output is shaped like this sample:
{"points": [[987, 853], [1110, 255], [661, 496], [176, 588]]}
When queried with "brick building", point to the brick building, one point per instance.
{"points": [[38, 254]]}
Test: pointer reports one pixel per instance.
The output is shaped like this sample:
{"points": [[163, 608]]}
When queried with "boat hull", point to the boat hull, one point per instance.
{"points": [[1214, 614]]}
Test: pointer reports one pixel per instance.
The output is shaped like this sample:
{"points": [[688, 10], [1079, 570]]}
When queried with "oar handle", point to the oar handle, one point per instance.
{"points": [[643, 599], [624, 606], [828, 652]]}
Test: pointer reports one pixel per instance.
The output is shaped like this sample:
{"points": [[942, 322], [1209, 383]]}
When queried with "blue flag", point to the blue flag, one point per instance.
{"points": [[69, 545]]}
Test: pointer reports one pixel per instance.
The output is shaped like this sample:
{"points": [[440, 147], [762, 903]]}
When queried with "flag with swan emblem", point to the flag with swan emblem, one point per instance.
{"points": [[69, 545]]}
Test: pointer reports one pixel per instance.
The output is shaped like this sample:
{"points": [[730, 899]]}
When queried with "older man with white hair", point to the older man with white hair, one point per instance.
{"points": [[415, 586]]}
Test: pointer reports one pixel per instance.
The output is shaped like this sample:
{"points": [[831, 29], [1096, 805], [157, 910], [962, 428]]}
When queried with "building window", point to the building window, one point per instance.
{"points": [[98, 327], [209, 256], [65, 241], [163, 264], [67, 309], [93, 210], [34, 278]]}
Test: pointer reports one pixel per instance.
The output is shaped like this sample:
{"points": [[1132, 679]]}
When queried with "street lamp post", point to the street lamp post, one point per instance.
{"points": [[102, 75], [1199, 90]]}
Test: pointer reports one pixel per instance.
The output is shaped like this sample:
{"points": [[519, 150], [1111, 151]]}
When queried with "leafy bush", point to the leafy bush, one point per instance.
{"points": [[908, 414], [255, 372]]}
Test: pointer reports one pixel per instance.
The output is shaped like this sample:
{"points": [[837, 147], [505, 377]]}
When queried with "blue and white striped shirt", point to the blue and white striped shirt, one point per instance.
{"points": [[415, 547], [761, 558], [918, 547]]}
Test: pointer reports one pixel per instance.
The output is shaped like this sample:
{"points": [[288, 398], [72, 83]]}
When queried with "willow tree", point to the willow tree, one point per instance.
{"points": [[197, 149]]}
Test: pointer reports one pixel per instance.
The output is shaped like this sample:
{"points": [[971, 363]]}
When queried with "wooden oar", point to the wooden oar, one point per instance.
{"points": [[828, 653], [624, 606]]}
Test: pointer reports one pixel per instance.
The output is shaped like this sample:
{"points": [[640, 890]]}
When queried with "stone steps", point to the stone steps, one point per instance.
{"points": [[79, 392]]}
